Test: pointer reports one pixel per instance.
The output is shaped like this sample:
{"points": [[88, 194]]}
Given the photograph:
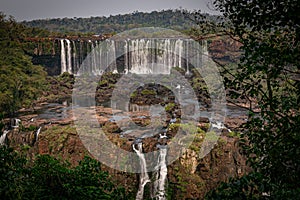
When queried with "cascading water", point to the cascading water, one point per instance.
{"points": [[63, 56], [66, 56], [16, 123], [75, 62], [161, 173], [205, 52], [112, 55], [69, 56], [126, 57], [159, 176], [144, 178], [100, 56], [37, 134], [139, 55], [3, 137], [178, 51]]}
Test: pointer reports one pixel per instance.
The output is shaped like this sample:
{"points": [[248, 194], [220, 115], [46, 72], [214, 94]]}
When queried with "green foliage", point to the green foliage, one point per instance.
{"points": [[188, 128], [103, 83], [199, 84], [173, 19], [170, 107], [30, 128], [20, 81], [49, 178], [211, 136], [234, 134], [133, 95], [250, 187], [11, 171], [147, 92], [267, 77], [246, 187]]}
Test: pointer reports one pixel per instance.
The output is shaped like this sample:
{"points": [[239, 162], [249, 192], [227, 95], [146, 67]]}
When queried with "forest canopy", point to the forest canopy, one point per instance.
{"points": [[173, 19]]}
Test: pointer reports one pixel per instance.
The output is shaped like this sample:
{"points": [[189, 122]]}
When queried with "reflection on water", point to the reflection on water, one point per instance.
{"points": [[62, 110], [54, 111], [51, 111]]}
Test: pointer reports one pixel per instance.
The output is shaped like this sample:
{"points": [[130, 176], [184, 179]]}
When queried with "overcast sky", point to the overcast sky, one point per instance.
{"points": [[40, 9]]}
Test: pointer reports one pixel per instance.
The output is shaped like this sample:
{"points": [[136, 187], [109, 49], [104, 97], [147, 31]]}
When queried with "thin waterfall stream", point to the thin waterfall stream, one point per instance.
{"points": [[159, 175], [3, 137], [63, 56], [144, 177]]}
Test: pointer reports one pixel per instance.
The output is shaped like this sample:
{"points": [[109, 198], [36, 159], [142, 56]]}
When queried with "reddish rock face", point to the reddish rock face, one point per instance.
{"points": [[198, 176], [43, 147], [193, 176], [225, 49]]}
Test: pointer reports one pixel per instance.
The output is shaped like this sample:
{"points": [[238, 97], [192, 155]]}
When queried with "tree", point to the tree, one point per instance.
{"points": [[20, 81], [268, 77]]}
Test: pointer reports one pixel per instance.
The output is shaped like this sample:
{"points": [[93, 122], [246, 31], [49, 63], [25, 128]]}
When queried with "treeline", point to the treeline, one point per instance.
{"points": [[173, 19]]}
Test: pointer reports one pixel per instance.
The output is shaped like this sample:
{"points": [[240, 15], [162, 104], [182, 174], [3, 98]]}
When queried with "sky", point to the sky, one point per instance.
{"points": [[41, 9]]}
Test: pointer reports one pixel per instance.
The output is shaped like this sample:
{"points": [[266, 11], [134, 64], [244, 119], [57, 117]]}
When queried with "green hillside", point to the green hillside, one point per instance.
{"points": [[173, 19]]}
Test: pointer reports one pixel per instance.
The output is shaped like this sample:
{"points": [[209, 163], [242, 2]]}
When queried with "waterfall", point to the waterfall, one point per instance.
{"points": [[140, 56], [205, 52], [75, 62], [143, 52], [101, 55], [93, 58], [16, 123], [178, 51], [126, 57], [160, 173], [112, 56], [144, 178], [66, 56], [143, 56], [138, 108], [69, 56], [37, 134], [3, 137], [63, 56]]}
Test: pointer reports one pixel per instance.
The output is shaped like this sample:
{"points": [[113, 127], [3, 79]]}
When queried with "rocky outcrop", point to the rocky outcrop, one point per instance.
{"points": [[57, 140], [223, 162], [60, 88], [225, 49], [192, 177]]}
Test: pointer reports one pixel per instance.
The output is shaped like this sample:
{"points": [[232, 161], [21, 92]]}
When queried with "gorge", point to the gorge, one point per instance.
{"points": [[93, 57], [123, 107]]}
